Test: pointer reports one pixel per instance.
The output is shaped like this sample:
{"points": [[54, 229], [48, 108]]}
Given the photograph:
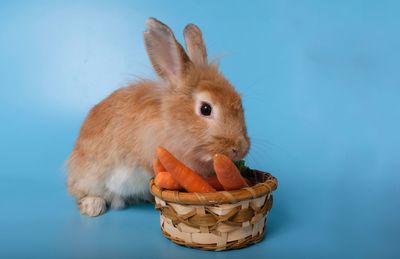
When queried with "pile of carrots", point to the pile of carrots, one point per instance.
{"points": [[172, 174]]}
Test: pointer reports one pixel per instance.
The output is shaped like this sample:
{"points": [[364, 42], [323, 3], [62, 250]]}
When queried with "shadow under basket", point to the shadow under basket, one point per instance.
{"points": [[219, 220]]}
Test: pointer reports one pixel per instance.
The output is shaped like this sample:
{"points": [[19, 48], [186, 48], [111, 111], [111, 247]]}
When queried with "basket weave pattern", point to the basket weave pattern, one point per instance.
{"points": [[216, 221]]}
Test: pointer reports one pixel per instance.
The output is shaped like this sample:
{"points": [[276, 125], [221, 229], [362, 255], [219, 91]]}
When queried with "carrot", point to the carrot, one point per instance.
{"points": [[213, 181], [227, 173], [158, 167], [166, 181], [186, 177]]}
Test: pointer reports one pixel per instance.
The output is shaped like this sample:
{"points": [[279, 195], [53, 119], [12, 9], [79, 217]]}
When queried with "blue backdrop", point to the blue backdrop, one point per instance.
{"points": [[320, 83]]}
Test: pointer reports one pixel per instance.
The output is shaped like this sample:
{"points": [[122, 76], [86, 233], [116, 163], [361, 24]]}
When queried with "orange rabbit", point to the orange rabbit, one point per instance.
{"points": [[192, 110]]}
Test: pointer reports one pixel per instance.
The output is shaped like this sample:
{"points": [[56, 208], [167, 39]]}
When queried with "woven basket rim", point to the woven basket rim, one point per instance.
{"points": [[266, 184]]}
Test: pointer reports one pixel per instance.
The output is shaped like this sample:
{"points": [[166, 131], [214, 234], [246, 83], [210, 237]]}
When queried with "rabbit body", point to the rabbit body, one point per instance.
{"points": [[193, 111]]}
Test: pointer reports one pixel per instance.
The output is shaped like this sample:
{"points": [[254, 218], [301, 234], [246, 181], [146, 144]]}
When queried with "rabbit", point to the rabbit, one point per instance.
{"points": [[191, 110]]}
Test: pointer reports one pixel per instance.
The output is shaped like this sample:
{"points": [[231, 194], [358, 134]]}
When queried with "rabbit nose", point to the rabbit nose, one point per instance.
{"points": [[240, 149], [235, 153]]}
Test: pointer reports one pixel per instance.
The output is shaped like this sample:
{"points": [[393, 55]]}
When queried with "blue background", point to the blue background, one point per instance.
{"points": [[320, 83]]}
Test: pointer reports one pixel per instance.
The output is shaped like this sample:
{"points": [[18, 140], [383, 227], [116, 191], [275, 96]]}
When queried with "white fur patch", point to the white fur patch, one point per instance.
{"points": [[129, 182]]}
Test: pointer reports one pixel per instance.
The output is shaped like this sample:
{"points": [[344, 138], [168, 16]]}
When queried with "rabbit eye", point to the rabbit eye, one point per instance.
{"points": [[205, 109]]}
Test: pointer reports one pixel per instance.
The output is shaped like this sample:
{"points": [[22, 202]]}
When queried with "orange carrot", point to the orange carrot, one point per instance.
{"points": [[213, 181], [158, 167], [166, 181], [186, 177], [227, 173]]}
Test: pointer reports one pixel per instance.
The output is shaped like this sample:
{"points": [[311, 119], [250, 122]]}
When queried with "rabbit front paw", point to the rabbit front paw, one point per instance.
{"points": [[92, 206]]}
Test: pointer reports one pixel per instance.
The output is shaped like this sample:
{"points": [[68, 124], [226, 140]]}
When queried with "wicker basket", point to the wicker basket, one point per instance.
{"points": [[219, 220]]}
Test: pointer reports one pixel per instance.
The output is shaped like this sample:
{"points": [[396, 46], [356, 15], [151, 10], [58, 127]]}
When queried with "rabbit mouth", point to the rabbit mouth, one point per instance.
{"points": [[219, 145], [202, 164], [206, 155]]}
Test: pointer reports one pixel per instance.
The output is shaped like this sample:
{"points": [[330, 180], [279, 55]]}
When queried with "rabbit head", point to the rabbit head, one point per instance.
{"points": [[201, 113]]}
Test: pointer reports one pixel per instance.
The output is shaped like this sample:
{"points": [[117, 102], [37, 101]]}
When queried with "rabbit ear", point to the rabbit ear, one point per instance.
{"points": [[195, 44], [167, 56]]}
